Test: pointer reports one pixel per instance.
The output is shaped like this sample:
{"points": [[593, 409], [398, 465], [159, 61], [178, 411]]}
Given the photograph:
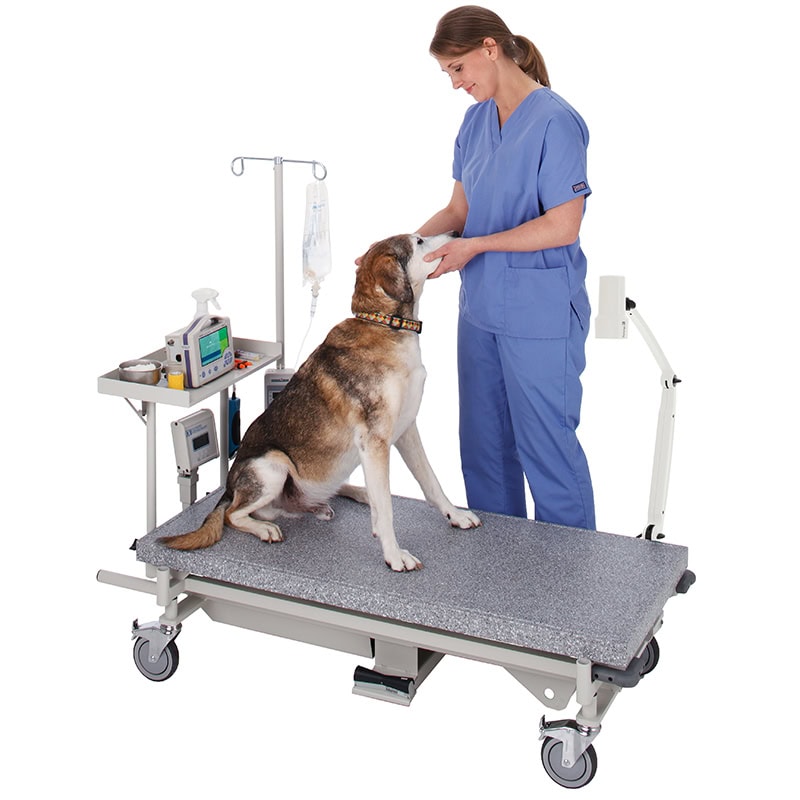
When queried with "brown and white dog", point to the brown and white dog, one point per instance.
{"points": [[354, 397]]}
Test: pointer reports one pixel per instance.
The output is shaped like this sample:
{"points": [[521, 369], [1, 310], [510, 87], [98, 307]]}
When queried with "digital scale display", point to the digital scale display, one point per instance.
{"points": [[201, 441]]}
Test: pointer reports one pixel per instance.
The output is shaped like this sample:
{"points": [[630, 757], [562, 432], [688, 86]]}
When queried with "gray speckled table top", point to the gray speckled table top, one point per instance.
{"points": [[558, 590]]}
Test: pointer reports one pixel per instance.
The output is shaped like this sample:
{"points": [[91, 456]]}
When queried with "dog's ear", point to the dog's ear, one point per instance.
{"points": [[382, 283], [393, 279]]}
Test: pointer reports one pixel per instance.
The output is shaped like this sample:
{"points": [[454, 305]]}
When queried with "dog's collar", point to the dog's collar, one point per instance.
{"points": [[398, 323]]}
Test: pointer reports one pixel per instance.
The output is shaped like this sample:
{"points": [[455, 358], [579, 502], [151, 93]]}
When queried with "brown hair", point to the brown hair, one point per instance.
{"points": [[463, 29]]}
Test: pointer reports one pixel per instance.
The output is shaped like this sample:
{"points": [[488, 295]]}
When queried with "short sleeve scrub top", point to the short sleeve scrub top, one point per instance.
{"points": [[523, 316]]}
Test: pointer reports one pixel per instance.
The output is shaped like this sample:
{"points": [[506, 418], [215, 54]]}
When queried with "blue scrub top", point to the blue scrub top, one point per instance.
{"points": [[513, 174]]}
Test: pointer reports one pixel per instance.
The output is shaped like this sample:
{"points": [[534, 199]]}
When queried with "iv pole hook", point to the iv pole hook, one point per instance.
{"points": [[238, 169]]}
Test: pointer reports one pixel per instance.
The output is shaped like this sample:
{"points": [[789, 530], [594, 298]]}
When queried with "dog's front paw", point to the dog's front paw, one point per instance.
{"points": [[269, 532], [403, 561], [460, 518]]}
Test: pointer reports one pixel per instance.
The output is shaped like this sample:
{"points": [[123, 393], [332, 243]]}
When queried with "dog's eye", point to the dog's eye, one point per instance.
{"points": [[419, 240]]}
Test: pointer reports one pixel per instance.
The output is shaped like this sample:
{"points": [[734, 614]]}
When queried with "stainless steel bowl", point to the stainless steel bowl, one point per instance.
{"points": [[136, 371]]}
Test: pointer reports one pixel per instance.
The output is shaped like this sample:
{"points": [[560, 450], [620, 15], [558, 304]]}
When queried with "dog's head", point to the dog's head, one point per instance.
{"points": [[392, 273]]}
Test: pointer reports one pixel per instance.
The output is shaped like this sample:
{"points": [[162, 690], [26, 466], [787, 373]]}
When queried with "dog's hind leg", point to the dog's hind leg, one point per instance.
{"points": [[410, 447], [374, 452], [357, 493], [259, 483]]}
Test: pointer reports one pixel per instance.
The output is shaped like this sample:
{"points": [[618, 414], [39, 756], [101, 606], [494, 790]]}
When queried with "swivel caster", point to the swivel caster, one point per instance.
{"points": [[160, 669], [155, 652], [568, 756], [572, 777]]}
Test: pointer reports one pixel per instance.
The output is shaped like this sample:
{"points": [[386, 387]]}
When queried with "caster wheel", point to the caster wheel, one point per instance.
{"points": [[651, 655], [574, 777], [158, 670]]}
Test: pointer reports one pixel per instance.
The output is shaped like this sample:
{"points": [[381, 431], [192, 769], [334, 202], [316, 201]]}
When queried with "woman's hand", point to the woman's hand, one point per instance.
{"points": [[455, 254]]}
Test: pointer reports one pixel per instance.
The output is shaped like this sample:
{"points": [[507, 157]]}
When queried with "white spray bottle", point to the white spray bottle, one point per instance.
{"points": [[203, 297]]}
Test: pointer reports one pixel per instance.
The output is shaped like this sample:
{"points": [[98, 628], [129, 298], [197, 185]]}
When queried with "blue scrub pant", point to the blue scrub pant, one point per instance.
{"points": [[520, 405]]}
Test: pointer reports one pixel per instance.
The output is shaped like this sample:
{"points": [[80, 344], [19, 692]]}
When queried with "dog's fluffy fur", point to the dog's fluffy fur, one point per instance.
{"points": [[355, 396]]}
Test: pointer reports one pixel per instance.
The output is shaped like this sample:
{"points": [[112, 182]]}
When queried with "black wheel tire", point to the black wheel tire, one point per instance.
{"points": [[574, 777], [160, 670], [652, 654]]}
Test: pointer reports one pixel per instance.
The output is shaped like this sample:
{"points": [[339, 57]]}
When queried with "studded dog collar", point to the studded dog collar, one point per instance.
{"points": [[398, 323]]}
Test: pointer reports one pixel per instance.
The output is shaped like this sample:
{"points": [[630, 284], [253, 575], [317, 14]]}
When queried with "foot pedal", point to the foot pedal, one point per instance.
{"points": [[390, 688]]}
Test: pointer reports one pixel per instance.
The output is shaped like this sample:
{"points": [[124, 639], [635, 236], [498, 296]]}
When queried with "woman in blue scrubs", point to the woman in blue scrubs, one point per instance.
{"points": [[520, 183]]}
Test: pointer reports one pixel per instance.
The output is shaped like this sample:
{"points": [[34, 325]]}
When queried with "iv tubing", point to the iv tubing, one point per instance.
{"points": [[314, 295]]}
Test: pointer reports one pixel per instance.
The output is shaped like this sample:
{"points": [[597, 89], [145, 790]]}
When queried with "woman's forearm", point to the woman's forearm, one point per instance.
{"points": [[558, 227]]}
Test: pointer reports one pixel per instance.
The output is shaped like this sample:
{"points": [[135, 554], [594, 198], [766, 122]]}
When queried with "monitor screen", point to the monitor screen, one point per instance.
{"points": [[213, 345]]}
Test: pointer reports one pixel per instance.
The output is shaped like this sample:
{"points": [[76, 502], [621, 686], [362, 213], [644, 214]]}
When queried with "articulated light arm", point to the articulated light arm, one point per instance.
{"points": [[615, 312]]}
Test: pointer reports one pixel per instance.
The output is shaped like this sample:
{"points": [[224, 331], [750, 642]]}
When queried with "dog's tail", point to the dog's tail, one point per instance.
{"points": [[210, 532]]}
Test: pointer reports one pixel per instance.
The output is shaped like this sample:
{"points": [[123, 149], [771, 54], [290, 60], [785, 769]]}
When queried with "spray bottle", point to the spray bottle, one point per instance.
{"points": [[203, 297]]}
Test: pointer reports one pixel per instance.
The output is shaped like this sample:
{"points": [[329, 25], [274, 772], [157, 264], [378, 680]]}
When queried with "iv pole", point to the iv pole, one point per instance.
{"points": [[615, 310], [278, 162]]}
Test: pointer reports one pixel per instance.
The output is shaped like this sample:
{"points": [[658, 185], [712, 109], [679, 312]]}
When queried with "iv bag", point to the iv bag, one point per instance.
{"points": [[316, 237]]}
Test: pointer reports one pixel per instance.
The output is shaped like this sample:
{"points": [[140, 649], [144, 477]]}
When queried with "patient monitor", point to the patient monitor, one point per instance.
{"points": [[204, 348]]}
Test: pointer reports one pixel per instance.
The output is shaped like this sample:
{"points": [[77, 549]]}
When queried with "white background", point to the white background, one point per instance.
{"points": [[119, 122]]}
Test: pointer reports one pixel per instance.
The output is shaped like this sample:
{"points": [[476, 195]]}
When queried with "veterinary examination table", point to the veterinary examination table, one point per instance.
{"points": [[565, 611]]}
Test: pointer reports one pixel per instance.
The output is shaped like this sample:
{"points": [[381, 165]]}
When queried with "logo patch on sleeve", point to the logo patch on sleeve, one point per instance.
{"points": [[578, 187]]}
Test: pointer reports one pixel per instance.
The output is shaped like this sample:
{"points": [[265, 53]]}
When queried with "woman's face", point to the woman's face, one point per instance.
{"points": [[475, 72]]}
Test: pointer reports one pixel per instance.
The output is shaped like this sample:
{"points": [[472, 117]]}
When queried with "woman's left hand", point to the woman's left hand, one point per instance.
{"points": [[455, 255]]}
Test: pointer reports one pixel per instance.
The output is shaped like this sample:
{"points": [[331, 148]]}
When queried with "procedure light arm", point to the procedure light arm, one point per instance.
{"points": [[662, 457], [615, 312]]}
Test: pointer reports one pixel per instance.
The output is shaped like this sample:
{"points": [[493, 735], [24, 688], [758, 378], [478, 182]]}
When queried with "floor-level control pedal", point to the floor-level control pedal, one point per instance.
{"points": [[390, 688]]}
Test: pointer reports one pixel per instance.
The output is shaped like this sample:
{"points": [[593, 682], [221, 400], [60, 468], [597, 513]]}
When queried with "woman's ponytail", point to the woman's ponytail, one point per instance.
{"points": [[530, 60]]}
